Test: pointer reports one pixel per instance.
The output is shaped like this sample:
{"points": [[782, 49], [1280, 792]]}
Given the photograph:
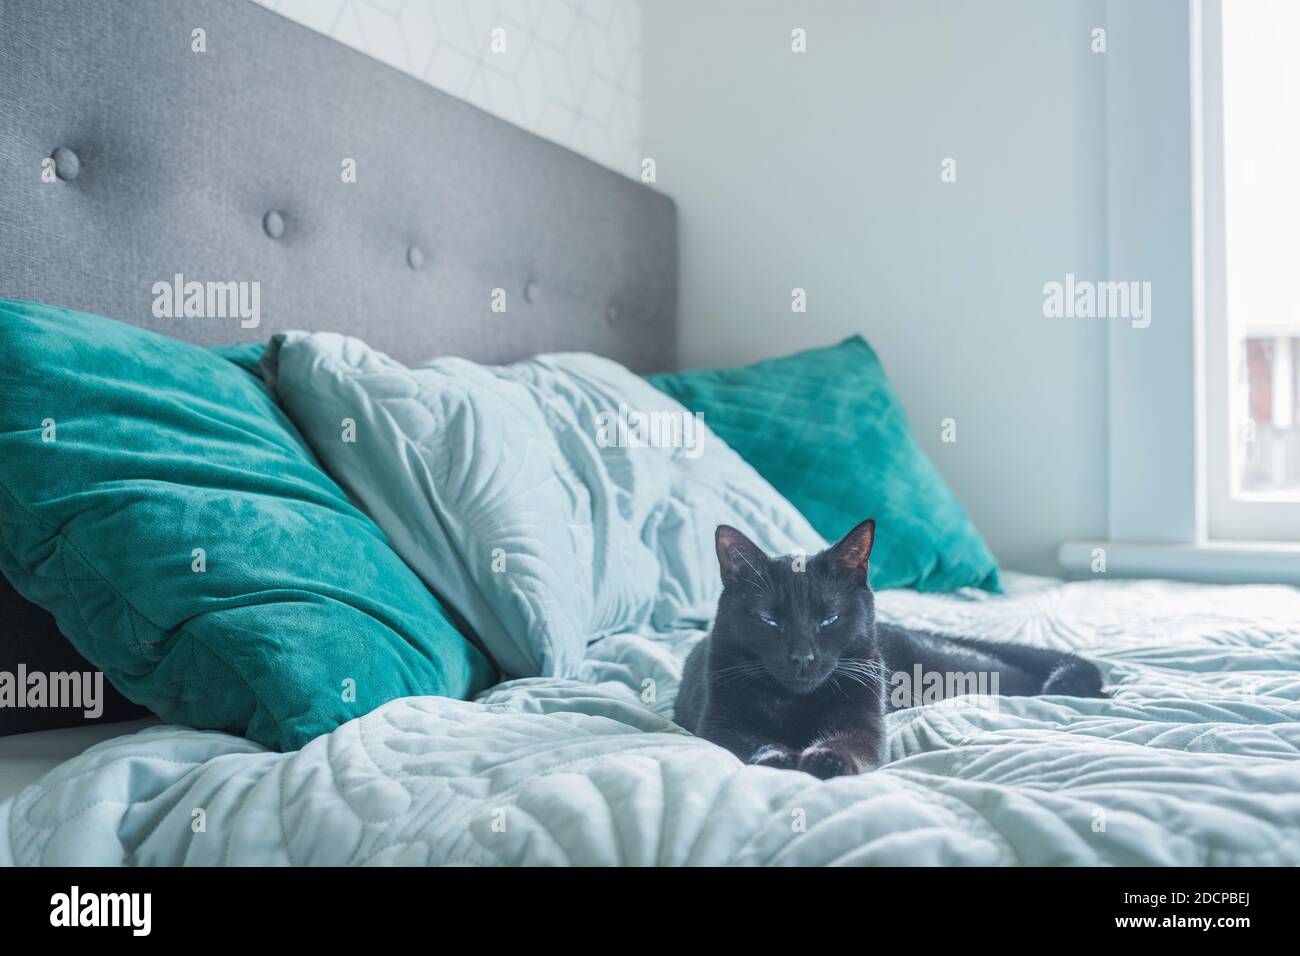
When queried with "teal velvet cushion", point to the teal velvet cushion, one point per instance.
{"points": [[825, 428], [156, 500]]}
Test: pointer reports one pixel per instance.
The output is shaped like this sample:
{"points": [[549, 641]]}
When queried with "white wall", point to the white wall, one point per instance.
{"points": [[1153, 371], [822, 170], [571, 69]]}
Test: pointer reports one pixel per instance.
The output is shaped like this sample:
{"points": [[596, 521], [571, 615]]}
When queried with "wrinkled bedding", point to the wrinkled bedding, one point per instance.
{"points": [[499, 486], [1195, 760], [609, 579]]}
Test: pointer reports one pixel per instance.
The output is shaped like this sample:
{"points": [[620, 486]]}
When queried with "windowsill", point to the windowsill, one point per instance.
{"points": [[1217, 562]]}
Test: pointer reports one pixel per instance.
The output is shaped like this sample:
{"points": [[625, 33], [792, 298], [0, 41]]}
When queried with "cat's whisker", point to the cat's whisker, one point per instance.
{"points": [[868, 682], [744, 557], [742, 667], [860, 679], [864, 669], [865, 661], [854, 665], [735, 673], [864, 675], [868, 672]]}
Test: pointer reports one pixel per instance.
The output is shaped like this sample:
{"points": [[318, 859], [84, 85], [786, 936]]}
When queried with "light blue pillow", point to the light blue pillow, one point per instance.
{"points": [[497, 486]]}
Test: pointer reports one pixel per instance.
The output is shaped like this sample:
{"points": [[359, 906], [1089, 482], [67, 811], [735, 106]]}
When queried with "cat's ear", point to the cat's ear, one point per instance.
{"points": [[738, 558], [853, 551]]}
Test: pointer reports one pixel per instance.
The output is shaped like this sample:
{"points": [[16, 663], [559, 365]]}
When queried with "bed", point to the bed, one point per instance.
{"points": [[1194, 759], [1192, 762]]}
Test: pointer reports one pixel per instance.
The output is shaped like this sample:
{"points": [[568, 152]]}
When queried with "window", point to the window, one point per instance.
{"points": [[1250, 266]]}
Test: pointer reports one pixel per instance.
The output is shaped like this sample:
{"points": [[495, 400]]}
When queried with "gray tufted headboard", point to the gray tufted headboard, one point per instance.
{"points": [[228, 166]]}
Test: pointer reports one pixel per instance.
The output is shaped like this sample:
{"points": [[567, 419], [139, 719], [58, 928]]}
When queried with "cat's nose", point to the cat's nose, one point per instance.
{"points": [[801, 661]]}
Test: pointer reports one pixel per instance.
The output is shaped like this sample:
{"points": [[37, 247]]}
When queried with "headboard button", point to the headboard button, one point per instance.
{"points": [[66, 163], [612, 315], [273, 223], [414, 257], [531, 290]]}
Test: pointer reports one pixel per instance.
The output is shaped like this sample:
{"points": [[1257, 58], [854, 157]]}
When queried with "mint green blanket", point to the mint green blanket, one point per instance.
{"points": [[1195, 761]]}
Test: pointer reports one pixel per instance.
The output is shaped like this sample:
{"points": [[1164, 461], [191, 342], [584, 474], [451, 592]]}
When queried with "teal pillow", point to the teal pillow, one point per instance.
{"points": [[825, 429], [155, 499]]}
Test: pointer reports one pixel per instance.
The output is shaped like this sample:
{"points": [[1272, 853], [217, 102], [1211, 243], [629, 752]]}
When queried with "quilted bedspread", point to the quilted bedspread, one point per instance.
{"points": [[1195, 760]]}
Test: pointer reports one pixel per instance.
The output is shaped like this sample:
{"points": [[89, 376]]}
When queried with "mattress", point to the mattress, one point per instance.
{"points": [[1195, 759]]}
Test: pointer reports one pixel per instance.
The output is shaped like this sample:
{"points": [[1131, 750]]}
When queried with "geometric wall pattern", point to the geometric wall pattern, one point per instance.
{"points": [[570, 70]]}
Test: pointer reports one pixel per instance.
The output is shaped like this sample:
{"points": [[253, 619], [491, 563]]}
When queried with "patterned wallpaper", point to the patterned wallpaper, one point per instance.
{"points": [[569, 70]]}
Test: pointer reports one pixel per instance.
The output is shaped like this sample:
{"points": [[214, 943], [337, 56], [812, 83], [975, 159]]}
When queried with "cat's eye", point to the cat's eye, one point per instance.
{"points": [[829, 621], [768, 621]]}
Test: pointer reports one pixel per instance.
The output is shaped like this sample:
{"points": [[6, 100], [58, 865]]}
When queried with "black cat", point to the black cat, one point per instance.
{"points": [[797, 673]]}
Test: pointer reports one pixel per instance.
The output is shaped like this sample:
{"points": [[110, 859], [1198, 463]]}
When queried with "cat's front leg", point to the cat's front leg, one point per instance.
{"points": [[774, 755], [747, 745], [842, 756], [824, 762]]}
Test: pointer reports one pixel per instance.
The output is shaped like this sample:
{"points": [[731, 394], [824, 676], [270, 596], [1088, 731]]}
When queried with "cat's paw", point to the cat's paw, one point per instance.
{"points": [[824, 763], [773, 755], [1075, 678]]}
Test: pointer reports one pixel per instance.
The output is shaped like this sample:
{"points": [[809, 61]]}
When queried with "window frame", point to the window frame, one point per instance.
{"points": [[1156, 377], [1227, 513]]}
